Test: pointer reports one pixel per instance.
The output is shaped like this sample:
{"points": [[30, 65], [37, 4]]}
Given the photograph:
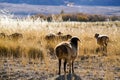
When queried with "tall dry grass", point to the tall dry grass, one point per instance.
{"points": [[33, 44], [34, 48]]}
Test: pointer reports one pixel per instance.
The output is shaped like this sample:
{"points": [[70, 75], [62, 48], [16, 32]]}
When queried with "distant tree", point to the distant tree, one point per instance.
{"points": [[75, 17], [82, 17], [115, 18], [41, 16], [97, 18]]}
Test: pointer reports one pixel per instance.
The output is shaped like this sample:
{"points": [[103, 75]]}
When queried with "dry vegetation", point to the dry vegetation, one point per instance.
{"points": [[76, 17], [32, 57]]}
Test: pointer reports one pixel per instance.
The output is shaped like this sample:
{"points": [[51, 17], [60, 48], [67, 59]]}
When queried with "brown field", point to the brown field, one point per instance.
{"points": [[32, 57]]}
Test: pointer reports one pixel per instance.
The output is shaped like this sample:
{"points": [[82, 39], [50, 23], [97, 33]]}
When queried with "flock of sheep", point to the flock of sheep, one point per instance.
{"points": [[59, 35], [14, 36], [66, 50]]}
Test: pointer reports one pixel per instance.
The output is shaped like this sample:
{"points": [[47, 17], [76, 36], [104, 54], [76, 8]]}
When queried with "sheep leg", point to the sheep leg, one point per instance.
{"points": [[105, 50], [102, 49], [72, 67], [59, 66], [65, 62]]}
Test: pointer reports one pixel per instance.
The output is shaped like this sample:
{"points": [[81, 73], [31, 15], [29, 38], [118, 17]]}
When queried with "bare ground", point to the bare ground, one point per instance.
{"points": [[87, 67]]}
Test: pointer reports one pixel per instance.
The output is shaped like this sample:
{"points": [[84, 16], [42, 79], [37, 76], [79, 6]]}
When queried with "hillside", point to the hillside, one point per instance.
{"points": [[28, 9]]}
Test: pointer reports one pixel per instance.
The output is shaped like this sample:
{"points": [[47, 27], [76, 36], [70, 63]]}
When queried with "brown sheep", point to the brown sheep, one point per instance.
{"points": [[15, 36], [102, 41], [50, 36], [59, 35], [68, 52], [2, 35], [65, 37]]}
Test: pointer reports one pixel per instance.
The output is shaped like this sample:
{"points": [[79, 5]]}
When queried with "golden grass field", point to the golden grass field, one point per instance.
{"points": [[32, 56]]}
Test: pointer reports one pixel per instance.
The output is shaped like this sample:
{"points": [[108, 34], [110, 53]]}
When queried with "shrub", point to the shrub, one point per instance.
{"points": [[35, 53], [77, 17]]}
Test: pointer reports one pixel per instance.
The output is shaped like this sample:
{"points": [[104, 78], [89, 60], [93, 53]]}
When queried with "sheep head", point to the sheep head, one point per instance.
{"points": [[96, 35], [74, 41]]}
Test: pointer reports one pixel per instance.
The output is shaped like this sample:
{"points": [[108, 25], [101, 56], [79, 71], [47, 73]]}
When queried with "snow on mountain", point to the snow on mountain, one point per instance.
{"points": [[28, 9]]}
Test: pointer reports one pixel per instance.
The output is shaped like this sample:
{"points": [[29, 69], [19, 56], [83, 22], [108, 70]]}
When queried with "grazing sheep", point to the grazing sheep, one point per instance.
{"points": [[58, 35], [65, 37], [102, 40], [15, 36], [2, 35], [50, 36], [68, 52]]}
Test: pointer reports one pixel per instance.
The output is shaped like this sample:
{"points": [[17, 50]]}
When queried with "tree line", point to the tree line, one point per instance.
{"points": [[76, 17]]}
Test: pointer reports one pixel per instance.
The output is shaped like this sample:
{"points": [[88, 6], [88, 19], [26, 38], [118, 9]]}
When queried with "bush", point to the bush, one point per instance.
{"points": [[10, 52], [78, 17], [35, 53]]}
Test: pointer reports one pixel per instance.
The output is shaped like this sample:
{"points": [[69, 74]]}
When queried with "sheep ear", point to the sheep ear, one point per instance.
{"points": [[79, 40]]}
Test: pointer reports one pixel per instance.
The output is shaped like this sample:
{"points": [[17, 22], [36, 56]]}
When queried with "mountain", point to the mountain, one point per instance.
{"points": [[22, 10], [64, 2]]}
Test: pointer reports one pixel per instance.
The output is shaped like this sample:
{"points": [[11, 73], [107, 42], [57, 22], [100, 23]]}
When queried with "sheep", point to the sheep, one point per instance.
{"points": [[65, 37], [102, 41], [58, 35], [2, 35], [15, 36], [68, 52], [50, 36]]}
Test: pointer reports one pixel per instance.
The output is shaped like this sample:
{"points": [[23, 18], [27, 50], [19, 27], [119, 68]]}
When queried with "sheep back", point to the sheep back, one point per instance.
{"points": [[64, 50], [50, 36], [103, 40]]}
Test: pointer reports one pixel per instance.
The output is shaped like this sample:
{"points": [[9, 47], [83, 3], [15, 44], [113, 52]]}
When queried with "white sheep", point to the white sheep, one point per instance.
{"points": [[68, 52], [102, 41]]}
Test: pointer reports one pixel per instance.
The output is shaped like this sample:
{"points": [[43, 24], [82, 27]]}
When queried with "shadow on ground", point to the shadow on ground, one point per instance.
{"points": [[68, 77]]}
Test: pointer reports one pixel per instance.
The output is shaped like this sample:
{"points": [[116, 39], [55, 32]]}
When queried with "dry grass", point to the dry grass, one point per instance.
{"points": [[34, 46]]}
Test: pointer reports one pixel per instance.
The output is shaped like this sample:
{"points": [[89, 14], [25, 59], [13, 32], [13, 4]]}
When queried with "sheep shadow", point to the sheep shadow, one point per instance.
{"points": [[68, 77]]}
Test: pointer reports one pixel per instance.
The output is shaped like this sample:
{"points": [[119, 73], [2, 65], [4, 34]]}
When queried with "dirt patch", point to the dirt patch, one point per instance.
{"points": [[90, 68]]}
